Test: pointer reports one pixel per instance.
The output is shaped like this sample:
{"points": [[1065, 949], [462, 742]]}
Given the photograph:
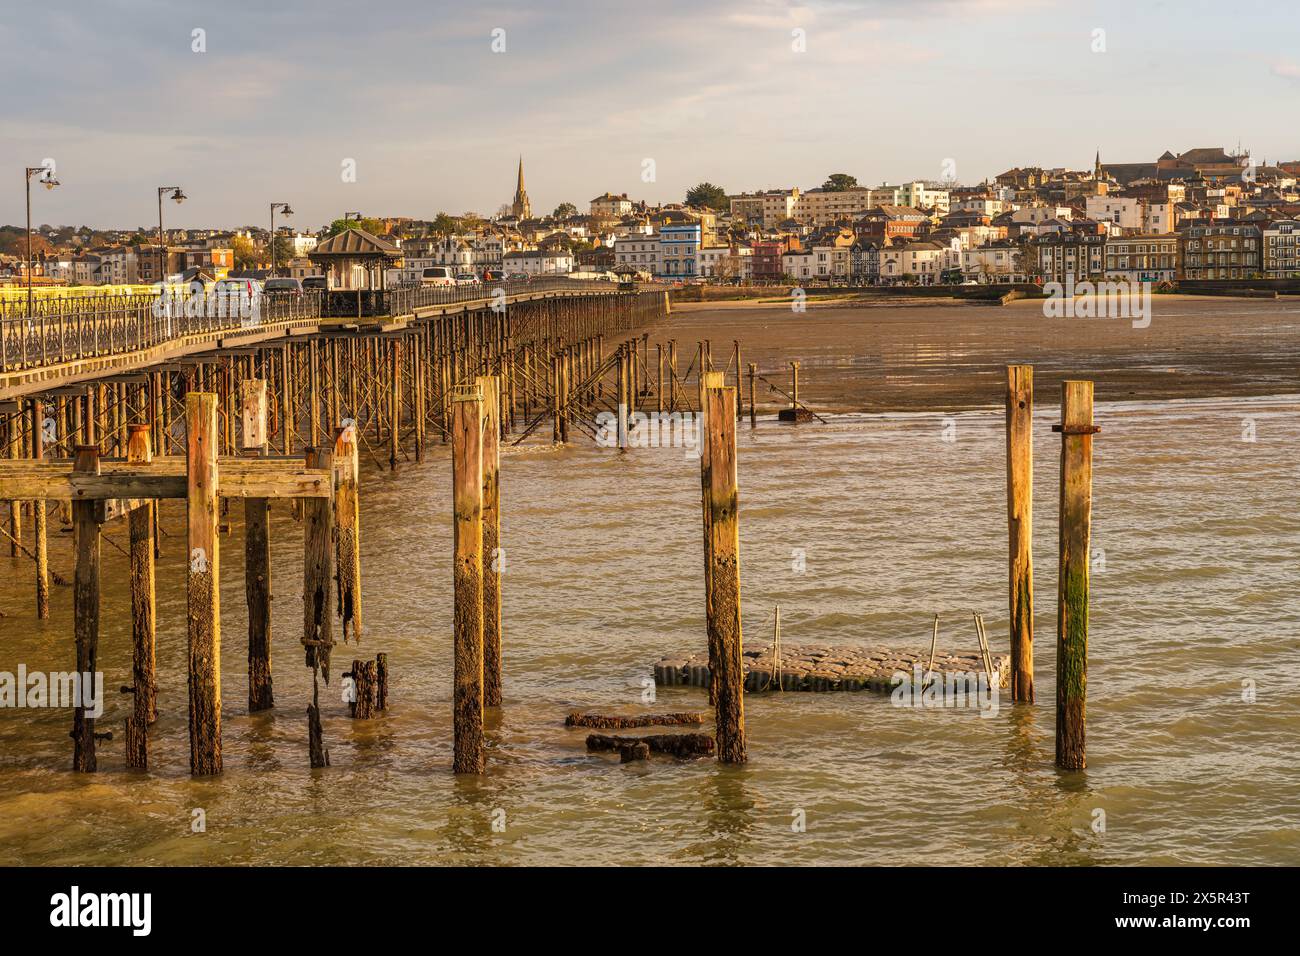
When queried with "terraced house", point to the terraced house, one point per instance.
{"points": [[1221, 250], [1142, 258], [1281, 248]]}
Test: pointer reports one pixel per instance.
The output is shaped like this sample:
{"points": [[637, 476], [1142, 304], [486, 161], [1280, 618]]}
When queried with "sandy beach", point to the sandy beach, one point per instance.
{"points": [[928, 354]]}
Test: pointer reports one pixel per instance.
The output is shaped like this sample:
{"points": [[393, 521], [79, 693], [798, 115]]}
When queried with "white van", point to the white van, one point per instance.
{"points": [[437, 275]]}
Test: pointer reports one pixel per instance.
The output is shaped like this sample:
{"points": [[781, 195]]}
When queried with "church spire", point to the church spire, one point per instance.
{"points": [[521, 207]]}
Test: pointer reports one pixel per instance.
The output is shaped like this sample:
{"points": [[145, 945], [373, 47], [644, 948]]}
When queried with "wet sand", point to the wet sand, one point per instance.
{"points": [[939, 354]]}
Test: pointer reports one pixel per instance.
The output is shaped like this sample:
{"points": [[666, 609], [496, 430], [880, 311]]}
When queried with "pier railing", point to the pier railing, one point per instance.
{"points": [[71, 328], [91, 327]]}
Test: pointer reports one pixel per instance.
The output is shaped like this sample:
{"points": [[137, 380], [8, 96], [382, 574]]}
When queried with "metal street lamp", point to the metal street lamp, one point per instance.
{"points": [[284, 208], [178, 197], [48, 180]]}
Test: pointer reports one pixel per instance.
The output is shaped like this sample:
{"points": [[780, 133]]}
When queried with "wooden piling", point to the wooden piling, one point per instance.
{"points": [[257, 551], [39, 544], [381, 681], [395, 403], [1020, 511], [347, 531], [318, 569], [724, 576], [1072, 602], [753, 372], [707, 380], [467, 495], [363, 674], [202, 583], [139, 450], [85, 600], [490, 386]]}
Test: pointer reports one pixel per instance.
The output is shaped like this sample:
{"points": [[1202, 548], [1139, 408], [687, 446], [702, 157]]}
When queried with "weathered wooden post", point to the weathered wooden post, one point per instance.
{"points": [[202, 584], [363, 674], [490, 386], [381, 681], [707, 380], [395, 404], [794, 386], [753, 372], [318, 569], [622, 397], [1076, 430], [85, 598], [724, 574], [40, 547], [257, 552], [15, 442], [1020, 511], [139, 450], [347, 530], [467, 576]]}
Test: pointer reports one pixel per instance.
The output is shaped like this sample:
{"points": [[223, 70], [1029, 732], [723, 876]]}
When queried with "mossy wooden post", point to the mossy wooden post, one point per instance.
{"points": [[39, 544], [257, 551], [1020, 511], [707, 380], [347, 531], [724, 574], [1072, 601], [490, 386], [202, 583], [139, 450], [85, 604], [467, 578], [318, 569], [363, 675]]}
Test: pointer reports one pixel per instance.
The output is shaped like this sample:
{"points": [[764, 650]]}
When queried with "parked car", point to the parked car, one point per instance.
{"points": [[493, 275], [315, 284], [283, 284], [438, 275], [246, 287], [466, 278], [517, 277]]}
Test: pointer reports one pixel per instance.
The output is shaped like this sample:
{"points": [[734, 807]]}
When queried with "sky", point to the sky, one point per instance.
{"points": [[248, 102]]}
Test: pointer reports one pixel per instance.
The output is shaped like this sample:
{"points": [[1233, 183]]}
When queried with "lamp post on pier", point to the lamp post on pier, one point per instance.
{"points": [[178, 197], [49, 182], [285, 210]]}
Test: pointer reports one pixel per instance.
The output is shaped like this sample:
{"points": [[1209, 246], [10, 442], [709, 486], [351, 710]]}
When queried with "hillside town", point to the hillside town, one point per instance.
{"points": [[1205, 213]]}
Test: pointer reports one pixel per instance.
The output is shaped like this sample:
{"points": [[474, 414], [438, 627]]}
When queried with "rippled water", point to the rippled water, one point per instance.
{"points": [[1198, 594]]}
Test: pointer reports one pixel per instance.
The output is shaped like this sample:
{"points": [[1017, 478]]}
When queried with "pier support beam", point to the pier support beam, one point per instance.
{"points": [[1020, 511], [347, 531], [708, 380], [139, 450], [467, 576], [490, 386], [257, 551], [724, 575], [39, 544], [85, 598], [318, 561], [1072, 592], [202, 583]]}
